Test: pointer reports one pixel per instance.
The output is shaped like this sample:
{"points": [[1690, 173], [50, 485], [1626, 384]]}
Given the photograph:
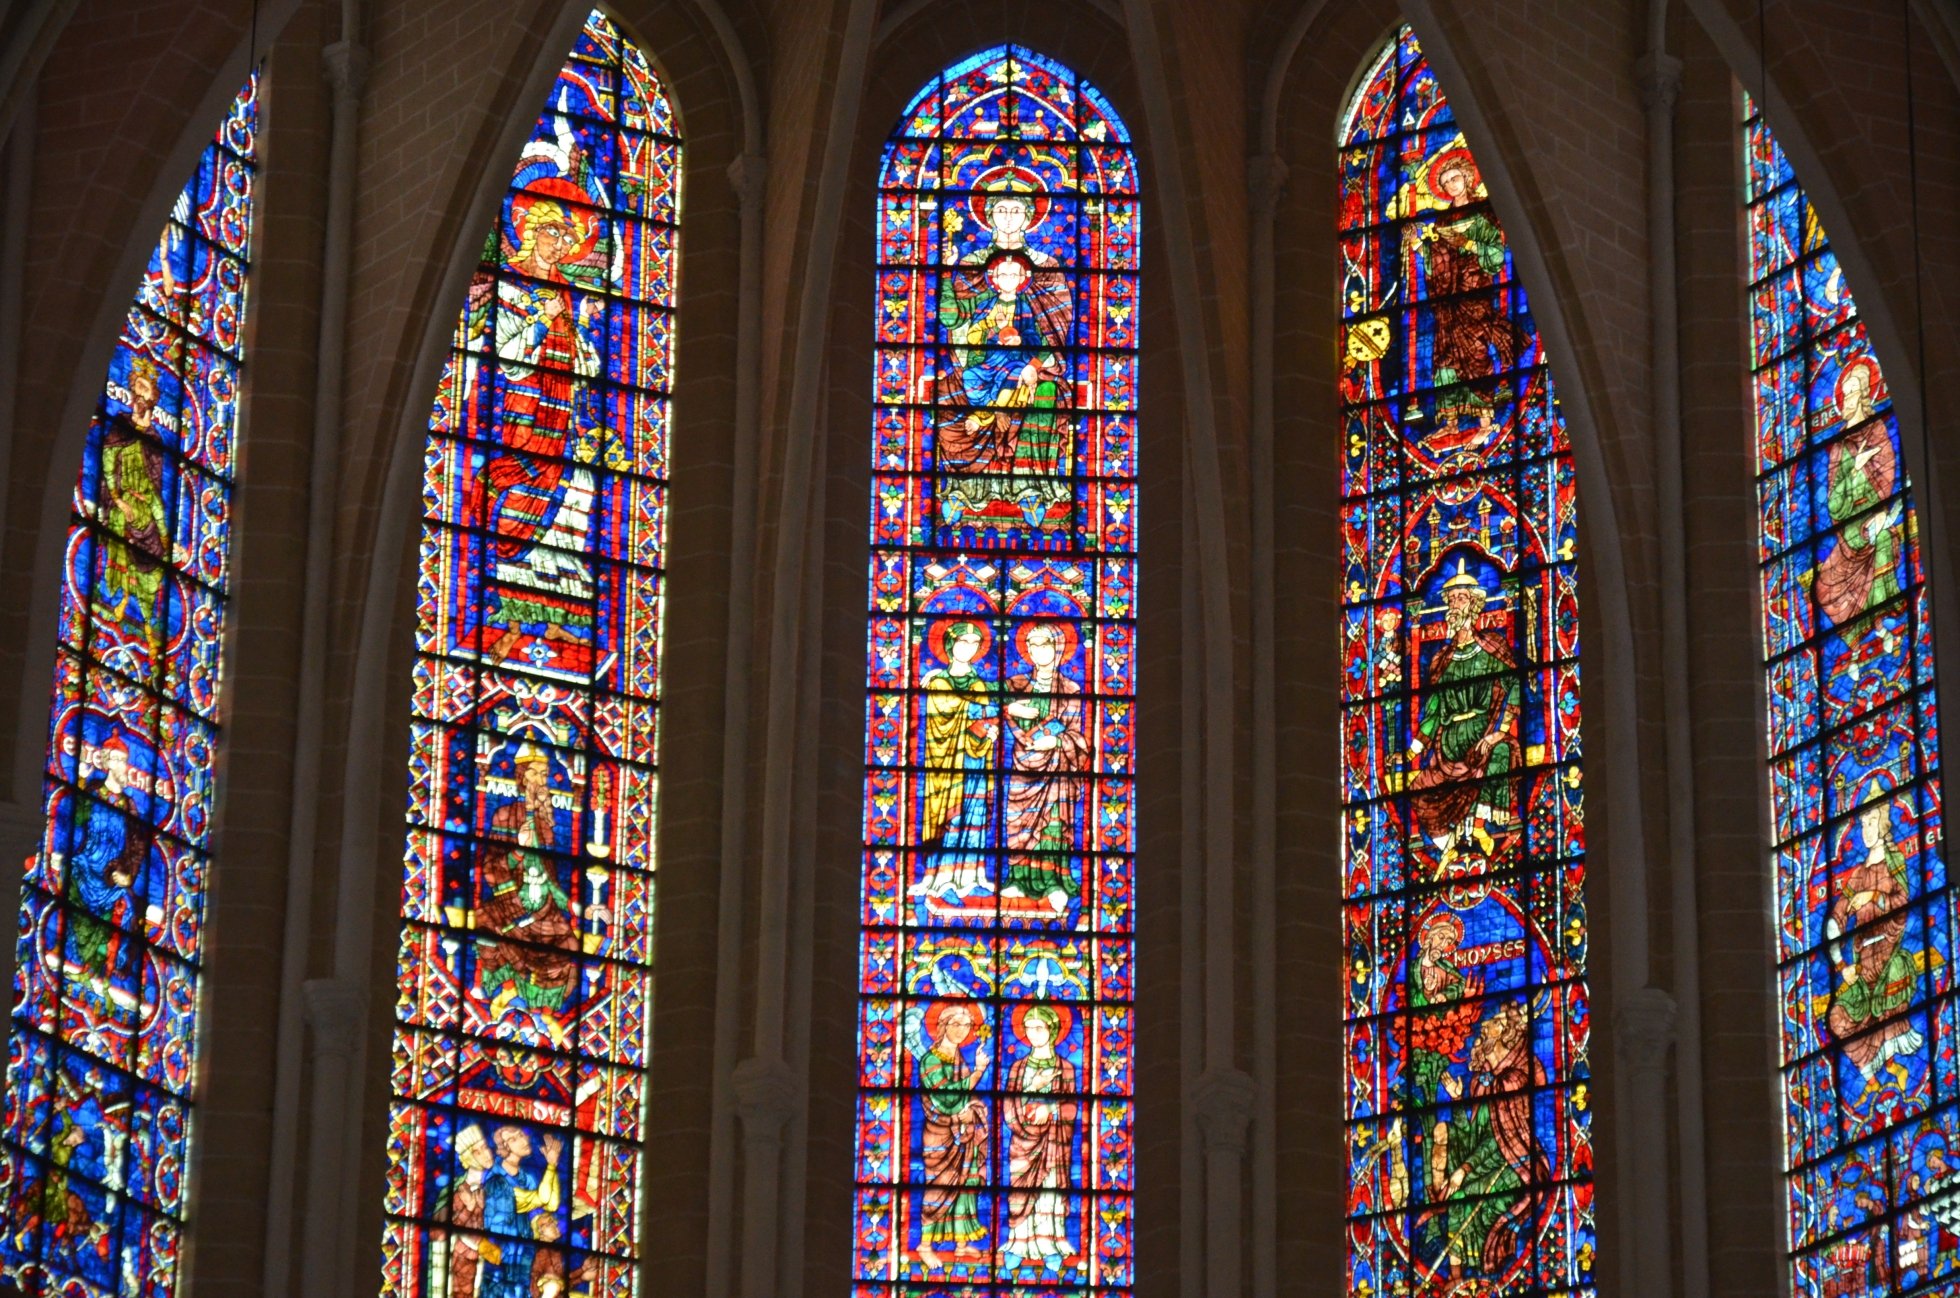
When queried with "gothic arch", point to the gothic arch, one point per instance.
{"points": [[913, 51], [66, 433], [1334, 42], [698, 52]]}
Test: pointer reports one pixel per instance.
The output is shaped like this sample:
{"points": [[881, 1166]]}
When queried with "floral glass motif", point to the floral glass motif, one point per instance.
{"points": [[101, 1066], [1864, 916], [525, 973], [1469, 1148], [994, 1148]]}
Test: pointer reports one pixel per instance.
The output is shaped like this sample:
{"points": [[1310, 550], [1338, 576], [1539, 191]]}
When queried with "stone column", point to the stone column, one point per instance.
{"points": [[1643, 1032], [1222, 1101], [331, 1009], [1265, 181]]}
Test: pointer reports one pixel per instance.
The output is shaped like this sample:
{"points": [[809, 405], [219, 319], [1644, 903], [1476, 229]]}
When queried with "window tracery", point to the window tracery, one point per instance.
{"points": [[1864, 910], [520, 1053], [101, 1067], [994, 1134], [1467, 1095]]}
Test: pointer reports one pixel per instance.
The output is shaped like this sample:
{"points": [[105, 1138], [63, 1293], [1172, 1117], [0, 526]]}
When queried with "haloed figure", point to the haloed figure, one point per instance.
{"points": [[955, 1144], [1867, 928], [1464, 750], [1862, 570], [1040, 1113], [132, 512], [1050, 749], [962, 725]]}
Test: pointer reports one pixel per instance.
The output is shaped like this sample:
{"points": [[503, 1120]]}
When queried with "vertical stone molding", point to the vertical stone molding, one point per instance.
{"points": [[1221, 1102], [1265, 176], [344, 65], [767, 1094], [1658, 74]]}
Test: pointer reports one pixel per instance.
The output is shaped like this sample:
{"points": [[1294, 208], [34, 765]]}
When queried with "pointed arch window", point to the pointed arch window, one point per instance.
{"points": [[994, 1146], [1865, 915], [101, 1066], [1469, 1147], [520, 1053]]}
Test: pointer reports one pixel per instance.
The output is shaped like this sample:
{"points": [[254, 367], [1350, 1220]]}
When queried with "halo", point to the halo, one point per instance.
{"points": [[1064, 632], [1441, 919], [1009, 178], [1447, 160], [1874, 377], [939, 635], [1064, 1018], [938, 1009], [575, 202]]}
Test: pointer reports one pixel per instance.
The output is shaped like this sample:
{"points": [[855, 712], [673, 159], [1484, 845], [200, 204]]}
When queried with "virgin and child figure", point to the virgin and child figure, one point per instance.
{"points": [[955, 1140], [1465, 746], [1004, 436]]}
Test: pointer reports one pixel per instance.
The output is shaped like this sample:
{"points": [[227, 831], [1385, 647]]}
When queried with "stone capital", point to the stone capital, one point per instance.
{"points": [[345, 65], [1659, 76], [766, 1096], [1643, 1030], [749, 173], [1222, 1100], [333, 1013], [1265, 181]]}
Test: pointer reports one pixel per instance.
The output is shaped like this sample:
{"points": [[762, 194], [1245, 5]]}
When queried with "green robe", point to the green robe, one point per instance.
{"points": [[132, 512], [955, 1157], [1872, 563], [1465, 702]]}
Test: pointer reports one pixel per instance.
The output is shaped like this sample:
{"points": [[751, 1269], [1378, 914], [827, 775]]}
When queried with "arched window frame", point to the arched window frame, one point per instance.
{"points": [[928, 589], [102, 1065], [1466, 925], [528, 920], [1851, 734]]}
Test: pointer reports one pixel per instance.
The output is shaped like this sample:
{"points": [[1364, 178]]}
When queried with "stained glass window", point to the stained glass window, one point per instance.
{"points": [[1864, 915], [101, 1066], [520, 1054], [994, 1149], [1469, 1136]]}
